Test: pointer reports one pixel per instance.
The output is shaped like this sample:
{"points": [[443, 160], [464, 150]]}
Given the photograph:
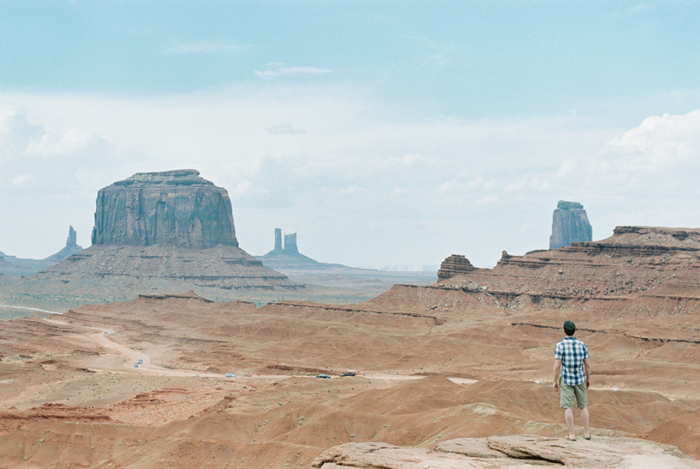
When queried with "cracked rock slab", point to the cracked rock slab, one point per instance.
{"points": [[517, 451]]}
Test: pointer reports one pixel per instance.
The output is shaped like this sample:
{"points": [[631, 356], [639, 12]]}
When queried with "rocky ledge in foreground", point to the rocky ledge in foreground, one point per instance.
{"points": [[521, 451]]}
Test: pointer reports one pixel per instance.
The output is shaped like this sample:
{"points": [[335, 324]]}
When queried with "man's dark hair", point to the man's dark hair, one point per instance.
{"points": [[569, 328]]}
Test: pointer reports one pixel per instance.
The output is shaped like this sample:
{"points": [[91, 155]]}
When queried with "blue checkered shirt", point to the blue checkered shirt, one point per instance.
{"points": [[571, 352]]}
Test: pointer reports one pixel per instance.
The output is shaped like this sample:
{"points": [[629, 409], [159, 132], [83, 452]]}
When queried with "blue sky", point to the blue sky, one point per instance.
{"points": [[383, 132]]}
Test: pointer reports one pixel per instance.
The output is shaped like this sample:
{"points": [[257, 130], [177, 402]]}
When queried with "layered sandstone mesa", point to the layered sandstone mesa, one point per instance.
{"points": [[162, 232], [569, 224], [178, 208], [456, 264], [654, 266]]}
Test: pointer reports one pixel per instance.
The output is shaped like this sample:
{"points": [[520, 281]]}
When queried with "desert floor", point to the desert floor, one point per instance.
{"points": [[432, 364]]}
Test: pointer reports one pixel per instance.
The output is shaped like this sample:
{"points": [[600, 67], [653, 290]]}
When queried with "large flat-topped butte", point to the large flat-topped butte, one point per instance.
{"points": [[177, 208], [163, 232]]}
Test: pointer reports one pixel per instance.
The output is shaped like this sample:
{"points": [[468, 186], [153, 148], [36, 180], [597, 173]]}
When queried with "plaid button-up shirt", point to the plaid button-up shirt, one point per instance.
{"points": [[572, 352]]}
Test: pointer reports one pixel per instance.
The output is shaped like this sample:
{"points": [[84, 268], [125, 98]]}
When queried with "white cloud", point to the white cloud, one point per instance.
{"points": [[449, 186], [23, 180], [283, 128], [566, 167], [353, 190], [74, 140], [531, 184], [20, 138], [409, 159], [381, 174], [247, 189], [277, 69], [16, 133], [658, 143]]}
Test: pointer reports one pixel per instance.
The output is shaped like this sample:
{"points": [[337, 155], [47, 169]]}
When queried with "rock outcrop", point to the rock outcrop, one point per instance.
{"points": [[656, 267], [569, 224], [519, 451], [456, 264], [178, 208]]}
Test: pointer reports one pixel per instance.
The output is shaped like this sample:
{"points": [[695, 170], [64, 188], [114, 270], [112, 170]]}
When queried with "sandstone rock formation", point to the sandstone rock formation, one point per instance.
{"points": [[633, 260], [72, 239], [454, 265], [288, 256], [278, 239], [470, 356], [520, 451], [340, 278], [172, 207], [162, 232], [290, 243], [163, 268], [70, 248], [11, 265], [570, 224]]}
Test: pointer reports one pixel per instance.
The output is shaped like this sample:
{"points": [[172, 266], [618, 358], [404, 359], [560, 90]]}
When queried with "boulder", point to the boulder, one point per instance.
{"points": [[177, 208], [569, 224]]}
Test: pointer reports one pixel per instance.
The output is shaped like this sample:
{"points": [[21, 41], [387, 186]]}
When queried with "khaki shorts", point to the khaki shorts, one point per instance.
{"points": [[567, 393]]}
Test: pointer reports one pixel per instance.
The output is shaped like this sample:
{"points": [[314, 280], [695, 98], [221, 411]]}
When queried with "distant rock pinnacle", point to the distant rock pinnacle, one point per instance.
{"points": [[72, 237], [177, 208], [290, 243], [569, 224]]}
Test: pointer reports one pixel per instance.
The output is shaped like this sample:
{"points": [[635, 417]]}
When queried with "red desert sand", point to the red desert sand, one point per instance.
{"points": [[467, 358]]}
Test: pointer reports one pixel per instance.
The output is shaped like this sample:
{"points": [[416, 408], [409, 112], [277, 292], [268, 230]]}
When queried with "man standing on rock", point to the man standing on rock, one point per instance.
{"points": [[572, 377]]}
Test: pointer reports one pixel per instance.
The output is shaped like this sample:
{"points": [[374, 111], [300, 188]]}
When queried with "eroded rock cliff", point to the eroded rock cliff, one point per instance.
{"points": [[653, 262]]}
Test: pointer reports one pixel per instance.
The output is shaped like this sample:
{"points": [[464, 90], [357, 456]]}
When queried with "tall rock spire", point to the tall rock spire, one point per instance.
{"points": [[72, 239], [569, 224]]}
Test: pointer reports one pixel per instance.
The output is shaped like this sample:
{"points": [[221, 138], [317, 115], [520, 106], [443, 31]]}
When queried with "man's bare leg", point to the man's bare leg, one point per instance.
{"points": [[569, 416], [584, 417]]}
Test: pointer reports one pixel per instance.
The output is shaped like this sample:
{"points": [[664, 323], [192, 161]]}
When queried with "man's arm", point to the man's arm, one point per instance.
{"points": [[587, 367], [557, 370]]}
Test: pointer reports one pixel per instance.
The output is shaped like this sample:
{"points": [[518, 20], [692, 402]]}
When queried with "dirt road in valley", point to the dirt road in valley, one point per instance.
{"points": [[131, 357]]}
